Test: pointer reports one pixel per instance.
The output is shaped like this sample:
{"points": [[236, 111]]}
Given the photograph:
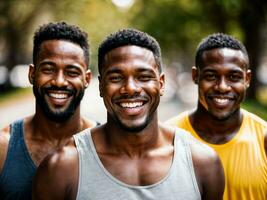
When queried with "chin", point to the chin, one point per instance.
{"points": [[130, 126], [134, 129], [223, 116]]}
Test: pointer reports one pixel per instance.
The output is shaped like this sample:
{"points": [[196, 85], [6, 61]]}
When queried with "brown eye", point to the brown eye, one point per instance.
{"points": [[47, 70], [73, 73], [210, 77], [235, 77], [115, 78]]}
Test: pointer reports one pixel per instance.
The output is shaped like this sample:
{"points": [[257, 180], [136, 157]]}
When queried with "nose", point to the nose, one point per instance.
{"points": [[60, 80], [222, 85], [130, 87]]}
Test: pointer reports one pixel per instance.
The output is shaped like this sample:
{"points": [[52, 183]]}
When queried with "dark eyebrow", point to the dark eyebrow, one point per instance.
{"points": [[74, 67], [119, 70], [209, 70], [46, 63], [146, 70], [113, 70], [236, 71]]}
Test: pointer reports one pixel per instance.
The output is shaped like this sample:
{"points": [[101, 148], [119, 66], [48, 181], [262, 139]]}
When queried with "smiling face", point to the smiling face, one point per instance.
{"points": [[59, 78], [222, 79], [131, 86]]}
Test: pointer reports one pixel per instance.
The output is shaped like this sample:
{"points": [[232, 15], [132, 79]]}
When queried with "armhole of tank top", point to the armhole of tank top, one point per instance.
{"points": [[2, 172], [10, 142], [77, 144], [186, 140]]}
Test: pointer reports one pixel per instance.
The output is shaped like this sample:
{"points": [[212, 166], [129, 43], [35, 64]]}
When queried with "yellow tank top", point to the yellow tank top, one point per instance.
{"points": [[243, 158]]}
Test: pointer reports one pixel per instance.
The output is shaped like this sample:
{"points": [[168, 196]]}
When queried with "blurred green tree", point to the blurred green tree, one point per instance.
{"points": [[179, 25], [17, 19]]}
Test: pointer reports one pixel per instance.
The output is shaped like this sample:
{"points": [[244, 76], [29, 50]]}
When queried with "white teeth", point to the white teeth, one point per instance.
{"points": [[58, 96], [221, 100], [131, 105]]}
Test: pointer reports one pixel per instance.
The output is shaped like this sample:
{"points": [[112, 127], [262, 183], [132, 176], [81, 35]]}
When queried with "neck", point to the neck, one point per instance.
{"points": [[131, 143], [214, 130], [46, 128]]}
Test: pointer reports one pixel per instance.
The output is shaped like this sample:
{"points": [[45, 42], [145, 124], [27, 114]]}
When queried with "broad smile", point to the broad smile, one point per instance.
{"points": [[221, 101], [59, 97], [131, 104], [131, 107]]}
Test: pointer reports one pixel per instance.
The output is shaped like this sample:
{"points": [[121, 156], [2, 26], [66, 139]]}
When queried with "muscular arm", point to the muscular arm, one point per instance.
{"points": [[57, 176], [209, 172]]}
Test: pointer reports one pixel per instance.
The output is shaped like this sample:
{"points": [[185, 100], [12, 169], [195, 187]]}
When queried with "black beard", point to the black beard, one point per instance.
{"points": [[134, 129], [57, 116], [225, 118]]}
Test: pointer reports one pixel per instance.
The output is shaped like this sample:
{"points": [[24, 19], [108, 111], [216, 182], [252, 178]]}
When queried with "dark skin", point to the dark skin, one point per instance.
{"points": [[59, 64], [222, 77], [131, 86]]}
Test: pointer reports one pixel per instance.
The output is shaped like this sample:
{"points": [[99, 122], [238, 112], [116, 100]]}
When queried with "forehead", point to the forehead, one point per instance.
{"points": [[129, 56], [61, 49], [224, 56]]}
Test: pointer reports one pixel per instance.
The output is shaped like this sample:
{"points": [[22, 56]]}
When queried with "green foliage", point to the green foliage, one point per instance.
{"points": [[178, 25], [13, 95], [256, 108]]}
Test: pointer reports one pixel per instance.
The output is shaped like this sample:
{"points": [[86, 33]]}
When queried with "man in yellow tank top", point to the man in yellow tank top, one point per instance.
{"points": [[222, 74]]}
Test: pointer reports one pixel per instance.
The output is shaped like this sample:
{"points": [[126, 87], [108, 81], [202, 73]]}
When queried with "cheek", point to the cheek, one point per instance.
{"points": [[40, 81], [240, 89], [153, 90], [109, 90], [77, 82]]}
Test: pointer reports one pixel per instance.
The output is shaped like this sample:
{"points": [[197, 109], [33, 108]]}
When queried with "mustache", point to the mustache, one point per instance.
{"points": [[223, 96], [64, 89], [128, 97]]}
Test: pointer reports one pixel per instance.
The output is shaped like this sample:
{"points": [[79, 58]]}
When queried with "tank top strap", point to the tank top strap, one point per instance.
{"points": [[16, 131], [183, 151]]}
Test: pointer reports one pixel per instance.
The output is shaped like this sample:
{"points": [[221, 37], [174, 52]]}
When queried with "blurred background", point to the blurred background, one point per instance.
{"points": [[178, 25]]}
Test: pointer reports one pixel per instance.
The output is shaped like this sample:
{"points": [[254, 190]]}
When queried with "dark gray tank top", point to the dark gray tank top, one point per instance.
{"points": [[96, 183], [19, 169]]}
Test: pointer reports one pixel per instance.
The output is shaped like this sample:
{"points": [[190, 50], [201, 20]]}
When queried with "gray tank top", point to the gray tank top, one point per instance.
{"points": [[96, 183]]}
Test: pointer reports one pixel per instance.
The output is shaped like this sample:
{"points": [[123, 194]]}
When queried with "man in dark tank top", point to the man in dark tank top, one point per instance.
{"points": [[132, 156], [59, 75]]}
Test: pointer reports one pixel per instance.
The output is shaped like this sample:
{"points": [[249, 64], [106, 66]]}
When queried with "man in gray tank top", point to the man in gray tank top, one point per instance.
{"points": [[132, 156]]}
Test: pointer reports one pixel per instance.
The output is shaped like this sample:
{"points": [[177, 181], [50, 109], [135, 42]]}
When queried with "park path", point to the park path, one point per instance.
{"points": [[91, 106]]}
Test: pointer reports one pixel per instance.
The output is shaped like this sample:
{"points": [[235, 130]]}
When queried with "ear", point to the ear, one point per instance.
{"points": [[162, 83], [195, 74], [248, 78], [100, 86], [31, 73], [88, 77]]}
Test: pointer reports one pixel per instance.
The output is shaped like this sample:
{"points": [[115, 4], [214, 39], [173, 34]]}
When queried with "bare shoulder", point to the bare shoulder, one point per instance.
{"points": [[88, 123], [4, 136], [4, 141], [60, 170], [203, 156], [202, 153], [64, 158], [208, 169]]}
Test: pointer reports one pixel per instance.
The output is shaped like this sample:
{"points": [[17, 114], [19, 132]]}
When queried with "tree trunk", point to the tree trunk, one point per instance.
{"points": [[252, 20]]}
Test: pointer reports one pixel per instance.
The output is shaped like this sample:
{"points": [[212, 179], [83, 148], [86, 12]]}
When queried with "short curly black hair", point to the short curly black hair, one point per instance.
{"points": [[218, 40], [129, 37], [60, 31]]}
